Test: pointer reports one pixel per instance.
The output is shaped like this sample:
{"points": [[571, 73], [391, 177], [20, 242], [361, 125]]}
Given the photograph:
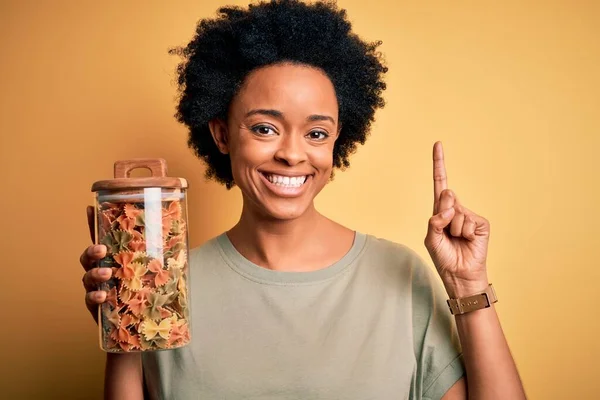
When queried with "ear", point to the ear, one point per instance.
{"points": [[218, 130]]}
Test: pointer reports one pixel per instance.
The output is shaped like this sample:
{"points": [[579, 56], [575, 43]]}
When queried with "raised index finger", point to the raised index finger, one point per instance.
{"points": [[440, 182]]}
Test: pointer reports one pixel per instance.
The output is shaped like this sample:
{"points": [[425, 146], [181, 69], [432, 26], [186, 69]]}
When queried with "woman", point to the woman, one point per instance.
{"points": [[289, 304]]}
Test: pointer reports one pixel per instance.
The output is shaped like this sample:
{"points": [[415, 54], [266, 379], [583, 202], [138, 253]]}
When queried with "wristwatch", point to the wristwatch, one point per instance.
{"points": [[473, 302]]}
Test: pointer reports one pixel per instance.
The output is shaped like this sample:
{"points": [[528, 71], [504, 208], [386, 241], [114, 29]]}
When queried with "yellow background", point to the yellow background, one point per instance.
{"points": [[511, 88]]}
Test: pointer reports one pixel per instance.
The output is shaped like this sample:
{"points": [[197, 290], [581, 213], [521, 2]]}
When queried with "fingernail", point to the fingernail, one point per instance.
{"points": [[447, 213], [99, 296], [98, 248], [104, 272]]}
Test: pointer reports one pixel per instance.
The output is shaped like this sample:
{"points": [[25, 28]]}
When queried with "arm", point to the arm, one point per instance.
{"points": [[123, 374], [457, 241], [491, 371], [123, 377]]}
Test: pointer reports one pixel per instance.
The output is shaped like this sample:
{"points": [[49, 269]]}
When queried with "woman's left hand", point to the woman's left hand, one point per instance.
{"points": [[457, 238]]}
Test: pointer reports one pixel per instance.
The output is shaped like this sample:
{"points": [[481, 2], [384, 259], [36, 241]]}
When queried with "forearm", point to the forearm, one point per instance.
{"points": [[491, 370], [123, 377]]}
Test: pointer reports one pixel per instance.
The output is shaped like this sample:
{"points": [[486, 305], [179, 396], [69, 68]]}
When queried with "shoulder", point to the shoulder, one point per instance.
{"points": [[401, 261], [419, 278], [397, 254], [386, 246], [207, 250]]}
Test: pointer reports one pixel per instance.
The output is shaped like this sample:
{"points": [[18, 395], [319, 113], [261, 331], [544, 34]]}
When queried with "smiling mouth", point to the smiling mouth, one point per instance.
{"points": [[286, 181]]}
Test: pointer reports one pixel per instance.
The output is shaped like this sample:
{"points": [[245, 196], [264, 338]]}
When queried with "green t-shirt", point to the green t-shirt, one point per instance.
{"points": [[374, 325]]}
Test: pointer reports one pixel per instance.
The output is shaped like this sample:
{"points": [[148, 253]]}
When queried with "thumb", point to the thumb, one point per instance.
{"points": [[439, 221]]}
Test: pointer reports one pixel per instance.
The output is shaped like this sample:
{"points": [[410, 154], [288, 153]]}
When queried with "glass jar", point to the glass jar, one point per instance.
{"points": [[143, 224]]}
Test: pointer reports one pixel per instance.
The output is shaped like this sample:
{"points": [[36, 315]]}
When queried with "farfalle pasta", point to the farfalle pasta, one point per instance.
{"points": [[147, 297], [142, 222]]}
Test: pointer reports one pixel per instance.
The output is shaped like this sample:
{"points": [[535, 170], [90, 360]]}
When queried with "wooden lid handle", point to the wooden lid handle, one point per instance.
{"points": [[157, 166]]}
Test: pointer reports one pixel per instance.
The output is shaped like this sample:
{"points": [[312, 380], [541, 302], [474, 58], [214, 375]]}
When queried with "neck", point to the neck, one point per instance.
{"points": [[277, 244]]}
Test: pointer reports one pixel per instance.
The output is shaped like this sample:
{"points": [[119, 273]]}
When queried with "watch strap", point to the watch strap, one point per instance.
{"points": [[473, 302]]}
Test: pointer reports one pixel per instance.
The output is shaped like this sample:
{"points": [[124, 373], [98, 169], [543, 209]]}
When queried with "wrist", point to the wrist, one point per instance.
{"points": [[458, 288]]}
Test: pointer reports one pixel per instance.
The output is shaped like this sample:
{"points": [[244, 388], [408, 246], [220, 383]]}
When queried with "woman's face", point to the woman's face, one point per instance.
{"points": [[280, 134]]}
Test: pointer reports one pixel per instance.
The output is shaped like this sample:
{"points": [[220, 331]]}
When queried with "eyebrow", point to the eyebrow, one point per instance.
{"points": [[279, 115]]}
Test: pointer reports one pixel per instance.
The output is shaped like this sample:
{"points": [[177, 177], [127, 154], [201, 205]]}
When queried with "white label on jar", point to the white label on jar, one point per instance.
{"points": [[153, 219]]}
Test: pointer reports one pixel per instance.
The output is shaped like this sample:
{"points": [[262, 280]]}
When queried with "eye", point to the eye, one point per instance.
{"points": [[318, 135], [263, 130]]}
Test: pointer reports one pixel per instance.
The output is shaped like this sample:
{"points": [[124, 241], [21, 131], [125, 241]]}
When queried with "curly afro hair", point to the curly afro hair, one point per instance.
{"points": [[226, 49]]}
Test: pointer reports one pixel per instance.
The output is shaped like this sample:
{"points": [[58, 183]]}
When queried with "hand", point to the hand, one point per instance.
{"points": [[93, 276], [457, 238]]}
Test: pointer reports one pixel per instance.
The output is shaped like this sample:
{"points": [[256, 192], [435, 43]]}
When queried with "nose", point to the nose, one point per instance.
{"points": [[291, 150]]}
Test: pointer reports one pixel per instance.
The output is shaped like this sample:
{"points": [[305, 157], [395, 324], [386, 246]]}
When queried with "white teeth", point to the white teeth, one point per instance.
{"points": [[286, 181]]}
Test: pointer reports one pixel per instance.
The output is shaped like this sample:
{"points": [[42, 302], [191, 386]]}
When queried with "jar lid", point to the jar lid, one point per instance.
{"points": [[158, 178]]}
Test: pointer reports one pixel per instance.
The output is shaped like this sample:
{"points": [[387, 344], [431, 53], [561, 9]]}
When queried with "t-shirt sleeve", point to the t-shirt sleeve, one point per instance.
{"points": [[436, 344]]}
